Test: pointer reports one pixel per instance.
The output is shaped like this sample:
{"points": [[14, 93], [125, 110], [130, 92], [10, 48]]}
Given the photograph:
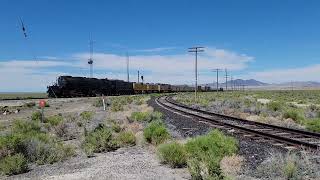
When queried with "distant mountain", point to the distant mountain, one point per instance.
{"points": [[299, 84], [238, 82], [254, 84], [249, 82]]}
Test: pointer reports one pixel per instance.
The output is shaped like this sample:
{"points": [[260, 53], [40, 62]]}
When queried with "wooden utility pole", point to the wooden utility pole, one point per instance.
{"points": [[217, 81], [196, 50], [226, 75]]}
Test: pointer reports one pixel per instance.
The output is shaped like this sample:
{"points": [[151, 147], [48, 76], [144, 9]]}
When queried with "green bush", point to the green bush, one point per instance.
{"points": [[275, 106], [313, 125], [205, 153], [146, 116], [36, 116], [141, 116], [20, 126], [14, 164], [87, 115], [156, 115], [99, 140], [294, 115], [173, 154], [126, 138], [37, 146], [54, 120], [290, 169], [116, 127], [156, 133]]}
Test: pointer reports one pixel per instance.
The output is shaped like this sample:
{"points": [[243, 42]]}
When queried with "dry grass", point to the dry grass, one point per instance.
{"points": [[289, 166], [231, 166]]}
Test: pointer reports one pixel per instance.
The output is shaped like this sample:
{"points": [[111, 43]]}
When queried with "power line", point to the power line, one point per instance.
{"points": [[196, 49]]}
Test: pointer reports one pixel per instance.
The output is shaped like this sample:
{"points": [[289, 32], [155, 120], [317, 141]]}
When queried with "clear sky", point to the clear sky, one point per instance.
{"points": [[272, 41]]}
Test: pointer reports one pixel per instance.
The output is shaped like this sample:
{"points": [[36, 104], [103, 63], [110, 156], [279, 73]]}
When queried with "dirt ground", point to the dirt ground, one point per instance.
{"points": [[137, 162]]}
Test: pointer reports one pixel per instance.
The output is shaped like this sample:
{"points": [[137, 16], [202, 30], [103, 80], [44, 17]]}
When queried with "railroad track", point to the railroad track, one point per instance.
{"points": [[275, 135]]}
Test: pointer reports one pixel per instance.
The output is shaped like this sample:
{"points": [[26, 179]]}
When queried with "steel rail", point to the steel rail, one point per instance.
{"points": [[190, 111]]}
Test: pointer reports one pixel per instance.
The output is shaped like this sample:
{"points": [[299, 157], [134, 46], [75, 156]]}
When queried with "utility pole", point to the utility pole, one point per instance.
{"points": [[90, 60], [217, 81], [226, 75], [138, 76], [127, 67], [196, 50], [232, 84]]}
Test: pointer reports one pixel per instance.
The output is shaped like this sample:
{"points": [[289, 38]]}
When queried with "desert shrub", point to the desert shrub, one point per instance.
{"points": [[173, 154], [294, 115], [54, 120], [156, 132], [290, 169], [116, 127], [126, 138], [275, 106], [36, 116], [139, 101], [2, 126], [141, 116], [98, 102], [86, 115], [61, 130], [313, 125], [99, 140], [231, 166], [205, 153], [116, 106], [37, 146], [20, 126], [288, 166], [313, 107], [14, 164], [146, 116], [47, 152], [156, 115]]}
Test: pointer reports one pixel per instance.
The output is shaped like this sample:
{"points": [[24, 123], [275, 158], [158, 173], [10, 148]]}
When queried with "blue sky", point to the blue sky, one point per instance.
{"points": [[272, 41]]}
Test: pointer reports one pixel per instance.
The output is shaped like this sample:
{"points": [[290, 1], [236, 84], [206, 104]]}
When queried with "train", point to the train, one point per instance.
{"points": [[68, 86]]}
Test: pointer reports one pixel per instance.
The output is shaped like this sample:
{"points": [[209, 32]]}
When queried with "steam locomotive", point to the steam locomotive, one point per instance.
{"points": [[68, 86]]}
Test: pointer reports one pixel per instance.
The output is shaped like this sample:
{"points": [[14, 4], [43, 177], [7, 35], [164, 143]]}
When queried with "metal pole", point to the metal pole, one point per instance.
{"points": [[138, 76], [217, 79], [127, 67], [196, 72], [226, 79]]}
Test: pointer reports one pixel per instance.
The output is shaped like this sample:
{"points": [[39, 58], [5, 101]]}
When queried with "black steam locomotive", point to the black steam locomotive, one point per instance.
{"points": [[68, 86]]}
